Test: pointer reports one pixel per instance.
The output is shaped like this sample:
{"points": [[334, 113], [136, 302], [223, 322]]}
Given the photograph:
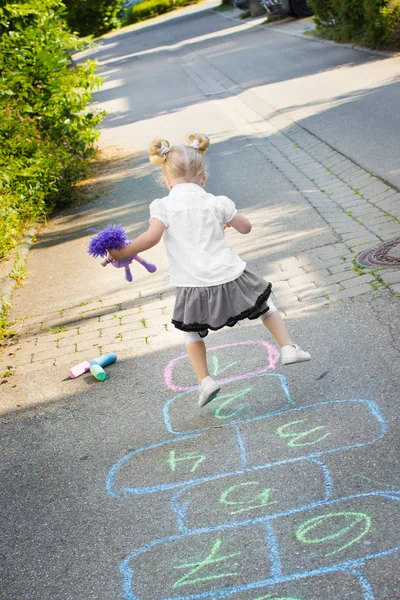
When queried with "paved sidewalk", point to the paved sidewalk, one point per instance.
{"points": [[287, 485], [362, 211]]}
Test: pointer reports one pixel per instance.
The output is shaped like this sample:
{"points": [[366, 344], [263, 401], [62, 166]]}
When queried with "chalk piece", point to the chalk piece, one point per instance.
{"points": [[97, 371], [80, 369]]}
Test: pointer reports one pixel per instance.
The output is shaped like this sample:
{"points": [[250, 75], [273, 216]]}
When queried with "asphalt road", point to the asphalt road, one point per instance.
{"points": [[288, 486]]}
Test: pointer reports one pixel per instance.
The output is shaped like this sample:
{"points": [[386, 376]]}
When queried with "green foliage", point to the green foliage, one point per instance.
{"points": [[152, 8], [93, 17], [46, 131], [325, 11], [375, 23], [382, 23]]}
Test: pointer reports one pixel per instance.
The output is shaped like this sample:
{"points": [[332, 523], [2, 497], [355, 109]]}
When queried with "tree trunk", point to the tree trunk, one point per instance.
{"points": [[256, 10]]}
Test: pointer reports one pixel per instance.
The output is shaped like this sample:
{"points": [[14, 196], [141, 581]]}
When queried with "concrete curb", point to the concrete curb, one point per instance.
{"points": [[314, 38], [7, 283], [280, 28]]}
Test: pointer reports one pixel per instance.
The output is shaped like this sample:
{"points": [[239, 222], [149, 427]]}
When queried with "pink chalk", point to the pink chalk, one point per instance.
{"points": [[79, 369]]}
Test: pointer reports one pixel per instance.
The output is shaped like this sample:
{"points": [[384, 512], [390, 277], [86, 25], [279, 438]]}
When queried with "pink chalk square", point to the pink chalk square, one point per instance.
{"points": [[228, 362]]}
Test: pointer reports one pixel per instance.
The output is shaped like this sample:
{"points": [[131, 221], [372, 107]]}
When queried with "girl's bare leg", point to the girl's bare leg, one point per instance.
{"points": [[198, 357], [275, 325]]}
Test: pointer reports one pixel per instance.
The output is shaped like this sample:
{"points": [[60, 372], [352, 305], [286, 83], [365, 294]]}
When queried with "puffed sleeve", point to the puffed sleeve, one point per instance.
{"points": [[227, 208], [157, 211]]}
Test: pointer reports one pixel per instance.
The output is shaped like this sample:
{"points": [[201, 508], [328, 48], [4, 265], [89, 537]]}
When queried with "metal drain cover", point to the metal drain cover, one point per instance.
{"points": [[386, 255]]}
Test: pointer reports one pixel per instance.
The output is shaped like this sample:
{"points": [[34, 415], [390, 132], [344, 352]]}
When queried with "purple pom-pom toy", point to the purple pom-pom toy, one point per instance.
{"points": [[114, 237]]}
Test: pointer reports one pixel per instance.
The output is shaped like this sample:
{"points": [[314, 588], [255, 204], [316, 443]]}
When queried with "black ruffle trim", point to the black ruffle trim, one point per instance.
{"points": [[202, 328]]}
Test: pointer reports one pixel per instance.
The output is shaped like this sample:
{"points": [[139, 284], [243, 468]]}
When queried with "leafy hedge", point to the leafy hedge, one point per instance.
{"points": [[152, 8], [93, 17], [47, 133], [375, 23]]}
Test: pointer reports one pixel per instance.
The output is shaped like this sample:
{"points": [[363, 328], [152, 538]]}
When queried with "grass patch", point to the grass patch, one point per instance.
{"points": [[18, 272], [224, 7], [274, 18], [59, 329], [245, 14], [152, 8]]}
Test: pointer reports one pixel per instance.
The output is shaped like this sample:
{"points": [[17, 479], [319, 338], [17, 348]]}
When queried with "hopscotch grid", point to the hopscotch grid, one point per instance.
{"points": [[242, 447], [273, 357], [127, 570], [366, 588], [162, 487], [116, 467], [283, 382], [180, 505], [273, 551]]}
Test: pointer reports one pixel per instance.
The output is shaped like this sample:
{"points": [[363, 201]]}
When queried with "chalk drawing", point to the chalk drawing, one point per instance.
{"points": [[297, 485], [225, 400], [342, 585], [173, 460], [269, 395], [296, 437], [258, 500], [256, 521], [204, 564], [272, 357], [343, 523]]}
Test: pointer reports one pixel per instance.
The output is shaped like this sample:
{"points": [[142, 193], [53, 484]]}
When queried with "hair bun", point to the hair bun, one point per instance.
{"points": [[202, 141], [157, 151]]}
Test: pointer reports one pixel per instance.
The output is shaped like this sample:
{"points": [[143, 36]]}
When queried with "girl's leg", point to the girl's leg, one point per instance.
{"points": [[275, 325], [198, 358], [290, 352], [196, 349]]}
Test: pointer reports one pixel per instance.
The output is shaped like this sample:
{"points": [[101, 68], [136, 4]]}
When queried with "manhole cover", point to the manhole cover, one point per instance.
{"points": [[387, 255]]}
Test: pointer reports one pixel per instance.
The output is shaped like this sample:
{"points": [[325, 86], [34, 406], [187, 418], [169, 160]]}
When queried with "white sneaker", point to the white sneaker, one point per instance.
{"points": [[293, 354], [208, 390]]}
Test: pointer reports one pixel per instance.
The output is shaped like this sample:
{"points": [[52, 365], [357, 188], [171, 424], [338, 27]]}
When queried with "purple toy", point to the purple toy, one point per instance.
{"points": [[113, 237]]}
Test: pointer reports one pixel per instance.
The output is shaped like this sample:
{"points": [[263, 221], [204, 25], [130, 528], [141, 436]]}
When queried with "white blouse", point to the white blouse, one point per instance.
{"points": [[198, 253]]}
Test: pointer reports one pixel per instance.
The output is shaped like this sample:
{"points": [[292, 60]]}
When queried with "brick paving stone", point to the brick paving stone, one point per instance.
{"points": [[284, 275], [71, 359], [302, 307], [395, 288], [353, 240], [88, 345], [317, 277], [330, 289], [88, 335], [112, 324], [36, 320], [49, 354], [351, 293], [341, 277], [351, 283], [36, 366], [390, 276], [340, 268], [20, 359]]}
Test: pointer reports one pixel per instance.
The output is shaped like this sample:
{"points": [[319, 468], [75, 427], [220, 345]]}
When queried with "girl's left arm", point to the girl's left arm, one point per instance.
{"points": [[146, 240]]}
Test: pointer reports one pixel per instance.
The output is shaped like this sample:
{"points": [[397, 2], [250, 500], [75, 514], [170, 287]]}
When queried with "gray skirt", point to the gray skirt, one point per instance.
{"points": [[202, 308]]}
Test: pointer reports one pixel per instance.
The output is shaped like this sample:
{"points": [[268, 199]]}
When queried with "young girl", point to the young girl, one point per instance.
{"points": [[214, 287]]}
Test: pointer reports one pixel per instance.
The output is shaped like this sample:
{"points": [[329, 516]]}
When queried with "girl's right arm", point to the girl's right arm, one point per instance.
{"points": [[241, 224]]}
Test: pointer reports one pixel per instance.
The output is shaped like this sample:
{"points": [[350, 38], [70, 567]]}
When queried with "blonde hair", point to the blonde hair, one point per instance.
{"points": [[181, 163]]}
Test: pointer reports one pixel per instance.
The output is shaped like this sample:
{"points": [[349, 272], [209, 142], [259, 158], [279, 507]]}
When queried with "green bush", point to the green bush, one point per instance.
{"points": [[375, 23], [350, 14], [382, 23], [152, 8], [47, 134], [93, 17], [325, 11]]}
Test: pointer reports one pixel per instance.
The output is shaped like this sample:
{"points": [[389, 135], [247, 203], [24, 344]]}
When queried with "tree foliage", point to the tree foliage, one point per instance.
{"points": [[92, 17], [47, 131], [375, 23]]}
